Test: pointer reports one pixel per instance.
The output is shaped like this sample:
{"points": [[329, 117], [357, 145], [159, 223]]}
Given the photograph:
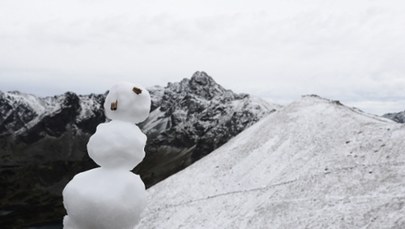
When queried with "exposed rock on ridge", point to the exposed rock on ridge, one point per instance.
{"points": [[397, 117]]}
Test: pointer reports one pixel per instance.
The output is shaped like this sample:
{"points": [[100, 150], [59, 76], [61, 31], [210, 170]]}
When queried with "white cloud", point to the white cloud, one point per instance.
{"points": [[347, 50]]}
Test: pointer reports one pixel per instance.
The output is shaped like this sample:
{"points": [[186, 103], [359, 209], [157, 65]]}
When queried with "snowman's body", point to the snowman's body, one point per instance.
{"points": [[112, 197], [104, 198]]}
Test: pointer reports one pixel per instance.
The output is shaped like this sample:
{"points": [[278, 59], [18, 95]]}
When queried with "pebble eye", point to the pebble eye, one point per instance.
{"points": [[114, 105], [137, 90]]}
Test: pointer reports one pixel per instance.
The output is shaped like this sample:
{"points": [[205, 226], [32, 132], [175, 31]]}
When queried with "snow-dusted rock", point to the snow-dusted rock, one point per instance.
{"points": [[397, 117], [33, 118]]}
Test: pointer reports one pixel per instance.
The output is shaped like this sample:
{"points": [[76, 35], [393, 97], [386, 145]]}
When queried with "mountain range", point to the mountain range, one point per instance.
{"points": [[43, 139], [314, 163], [308, 163]]}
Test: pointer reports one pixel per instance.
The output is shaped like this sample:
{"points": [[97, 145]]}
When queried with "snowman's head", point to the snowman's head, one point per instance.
{"points": [[127, 102]]}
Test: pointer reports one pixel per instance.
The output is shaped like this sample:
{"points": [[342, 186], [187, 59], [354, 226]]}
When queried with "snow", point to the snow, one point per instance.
{"points": [[312, 164], [88, 104], [39, 105], [110, 148], [52, 103], [104, 199], [112, 196], [27, 108], [125, 104], [154, 120], [15, 99], [156, 92], [26, 99]]}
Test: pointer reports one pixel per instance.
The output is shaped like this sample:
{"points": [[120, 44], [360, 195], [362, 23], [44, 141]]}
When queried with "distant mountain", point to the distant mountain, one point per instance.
{"points": [[397, 117], [312, 164], [43, 140]]}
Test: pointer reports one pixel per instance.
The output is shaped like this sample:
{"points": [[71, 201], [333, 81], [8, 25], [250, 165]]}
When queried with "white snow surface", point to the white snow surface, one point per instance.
{"points": [[312, 164], [103, 199], [118, 145], [131, 107]]}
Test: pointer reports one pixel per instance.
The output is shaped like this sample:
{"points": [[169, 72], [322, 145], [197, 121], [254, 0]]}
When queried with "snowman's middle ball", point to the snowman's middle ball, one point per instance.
{"points": [[117, 144], [127, 102]]}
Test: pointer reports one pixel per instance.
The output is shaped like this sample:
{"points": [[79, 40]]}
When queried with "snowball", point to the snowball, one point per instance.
{"points": [[127, 102], [117, 144], [104, 199]]}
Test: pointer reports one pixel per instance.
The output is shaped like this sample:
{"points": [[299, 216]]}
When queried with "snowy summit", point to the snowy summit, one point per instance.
{"points": [[111, 196]]}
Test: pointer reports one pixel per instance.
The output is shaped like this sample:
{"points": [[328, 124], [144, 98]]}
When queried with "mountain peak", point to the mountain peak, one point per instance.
{"points": [[202, 78], [317, 98], [200, 84]]}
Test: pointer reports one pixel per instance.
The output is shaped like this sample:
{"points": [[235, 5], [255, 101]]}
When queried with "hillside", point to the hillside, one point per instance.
{"points": [[313, 164]]}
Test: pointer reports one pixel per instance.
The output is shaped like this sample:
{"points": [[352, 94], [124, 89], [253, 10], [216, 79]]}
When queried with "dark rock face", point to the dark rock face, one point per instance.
{"points": [[397, 117], [43, 140]]}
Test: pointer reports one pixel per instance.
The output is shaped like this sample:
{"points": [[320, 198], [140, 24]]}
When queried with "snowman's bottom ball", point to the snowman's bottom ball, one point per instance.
{"points": [[104, 199]]}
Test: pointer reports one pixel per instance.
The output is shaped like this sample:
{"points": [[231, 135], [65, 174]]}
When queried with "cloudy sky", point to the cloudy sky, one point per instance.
{"points": [[350, 50]]}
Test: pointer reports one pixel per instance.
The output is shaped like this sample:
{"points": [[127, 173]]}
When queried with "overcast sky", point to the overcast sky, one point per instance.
{"points": [[350, 50]]}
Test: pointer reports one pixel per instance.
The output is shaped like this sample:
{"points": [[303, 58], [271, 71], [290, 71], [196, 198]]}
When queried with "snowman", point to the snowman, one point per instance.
{"points": [[111, 196]]}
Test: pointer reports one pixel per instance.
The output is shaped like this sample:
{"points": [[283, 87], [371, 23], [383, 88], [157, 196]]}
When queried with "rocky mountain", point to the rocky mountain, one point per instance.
{"points": [[190, 119], [43, 140], [397, 117], [312, 164]]}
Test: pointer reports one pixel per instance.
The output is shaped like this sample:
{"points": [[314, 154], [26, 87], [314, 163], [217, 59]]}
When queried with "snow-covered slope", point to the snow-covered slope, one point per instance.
{"points": [[313, 164]]}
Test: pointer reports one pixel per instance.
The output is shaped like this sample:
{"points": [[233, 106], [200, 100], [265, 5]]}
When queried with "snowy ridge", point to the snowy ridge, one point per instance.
{"points": [[38, 106], [20, 111], [312, 164]]}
